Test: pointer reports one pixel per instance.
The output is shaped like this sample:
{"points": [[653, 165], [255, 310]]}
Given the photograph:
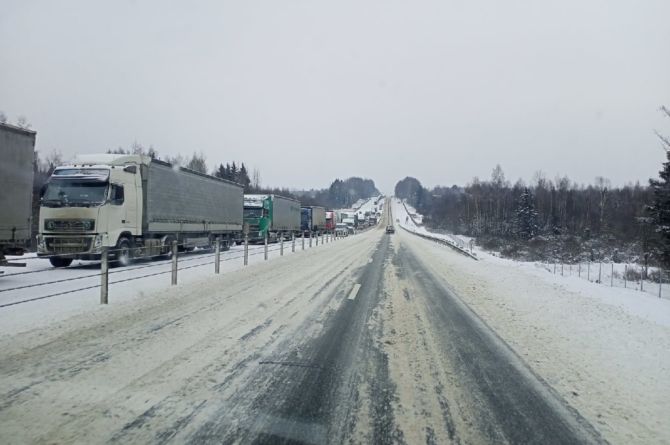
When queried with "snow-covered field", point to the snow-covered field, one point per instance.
{"points": [[126, 283], [603, 349]]}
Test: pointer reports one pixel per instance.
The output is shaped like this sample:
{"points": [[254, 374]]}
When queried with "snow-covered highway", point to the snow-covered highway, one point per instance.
{"points": [[365, 340]]}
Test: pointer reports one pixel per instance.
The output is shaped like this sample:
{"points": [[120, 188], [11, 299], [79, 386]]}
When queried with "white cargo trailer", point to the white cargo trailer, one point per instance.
{"points": [[136, 206]]}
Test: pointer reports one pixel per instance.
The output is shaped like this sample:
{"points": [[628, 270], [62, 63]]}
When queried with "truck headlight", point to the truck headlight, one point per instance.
{"points": [[97, 242]]}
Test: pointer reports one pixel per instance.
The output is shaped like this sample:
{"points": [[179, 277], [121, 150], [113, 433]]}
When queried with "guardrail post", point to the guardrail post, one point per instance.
{"points": [[104, 275], [293, 242], [612, 276], [316, 238], [579, 270], [600, 272], [217, 255], [281, 244], [174, 262], [588, 271], [265, 248], [246, 250], [660, 281], [310, 238], [625, 272], [303, 240]]}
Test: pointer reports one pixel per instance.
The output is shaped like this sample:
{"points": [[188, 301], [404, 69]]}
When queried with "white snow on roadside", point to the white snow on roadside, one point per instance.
{"points": [[31, 315]]}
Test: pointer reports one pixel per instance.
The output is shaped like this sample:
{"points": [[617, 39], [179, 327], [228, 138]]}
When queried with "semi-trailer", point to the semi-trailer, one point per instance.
{"points": [[313, 219], [136, 206], [349, 217], [331, 222], [17, 155], [270, 215]]}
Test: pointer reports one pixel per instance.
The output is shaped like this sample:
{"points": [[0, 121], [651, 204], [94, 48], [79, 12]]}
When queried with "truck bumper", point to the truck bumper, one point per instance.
{"points": [[80, 247]]}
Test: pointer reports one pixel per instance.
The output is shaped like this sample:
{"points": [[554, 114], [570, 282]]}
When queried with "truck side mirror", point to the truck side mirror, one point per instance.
{"points": [[130, 169]]}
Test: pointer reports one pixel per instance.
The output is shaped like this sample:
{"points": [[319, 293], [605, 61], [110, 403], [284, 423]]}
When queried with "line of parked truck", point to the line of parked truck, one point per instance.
{"points": [[137, 206]]}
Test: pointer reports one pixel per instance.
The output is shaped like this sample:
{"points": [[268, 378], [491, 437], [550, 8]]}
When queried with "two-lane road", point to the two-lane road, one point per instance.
{"points": [[359, 342]]}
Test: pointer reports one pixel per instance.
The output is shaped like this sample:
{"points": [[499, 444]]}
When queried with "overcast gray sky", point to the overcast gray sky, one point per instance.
{"points": [[307, 91]]}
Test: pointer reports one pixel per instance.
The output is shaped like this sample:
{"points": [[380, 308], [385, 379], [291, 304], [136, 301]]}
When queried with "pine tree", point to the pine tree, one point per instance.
{"points": [[526, 216], [244, 178], [660, 209], [234, 173], [220, 172]]}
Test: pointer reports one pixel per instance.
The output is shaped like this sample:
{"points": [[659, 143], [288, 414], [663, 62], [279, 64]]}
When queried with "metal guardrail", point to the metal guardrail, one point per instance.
{"points": [[453, 245], [443, 242], [176, 260]]}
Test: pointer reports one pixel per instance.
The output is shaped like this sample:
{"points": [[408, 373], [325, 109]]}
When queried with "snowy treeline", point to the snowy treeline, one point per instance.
{"points": [[553, 217]]}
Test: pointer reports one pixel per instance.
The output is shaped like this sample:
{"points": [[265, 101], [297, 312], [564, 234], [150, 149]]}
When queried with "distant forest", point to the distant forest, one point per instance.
{"points": [[554, 219]]}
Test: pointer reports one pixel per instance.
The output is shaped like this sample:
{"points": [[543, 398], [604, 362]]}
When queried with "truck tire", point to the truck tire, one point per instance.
{"points": [[123, 253], [57, 261]]}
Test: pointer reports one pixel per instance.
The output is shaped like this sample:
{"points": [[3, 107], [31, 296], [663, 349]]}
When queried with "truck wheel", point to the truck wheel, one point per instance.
{"points": [[57, 261], [123, 252]]}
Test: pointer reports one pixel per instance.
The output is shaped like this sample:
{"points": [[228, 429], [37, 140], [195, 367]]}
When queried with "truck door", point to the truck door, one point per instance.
{"points": [[117, 211], [130, 218]]}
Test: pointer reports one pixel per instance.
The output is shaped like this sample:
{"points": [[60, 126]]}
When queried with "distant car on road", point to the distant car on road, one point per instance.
{"points": [[390, 229], [341, 230]]}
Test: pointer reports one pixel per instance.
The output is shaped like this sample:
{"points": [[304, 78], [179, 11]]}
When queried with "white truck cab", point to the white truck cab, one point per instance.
{"points": [[89, 204]]}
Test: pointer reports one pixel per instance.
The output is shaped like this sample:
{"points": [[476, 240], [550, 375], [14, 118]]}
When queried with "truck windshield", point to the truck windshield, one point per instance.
{"points": [[74, 192], [255, 212]]}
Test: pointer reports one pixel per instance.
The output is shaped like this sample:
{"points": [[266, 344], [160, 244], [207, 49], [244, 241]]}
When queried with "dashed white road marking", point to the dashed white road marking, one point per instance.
{"points": [[354, 291]]}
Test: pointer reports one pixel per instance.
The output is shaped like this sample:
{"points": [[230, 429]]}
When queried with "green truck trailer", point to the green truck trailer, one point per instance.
{"points": [[270, 215]]}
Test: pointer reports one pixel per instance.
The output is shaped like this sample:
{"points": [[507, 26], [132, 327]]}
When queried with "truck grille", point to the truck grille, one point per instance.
{"points": [[68, 245], [69, 225]]}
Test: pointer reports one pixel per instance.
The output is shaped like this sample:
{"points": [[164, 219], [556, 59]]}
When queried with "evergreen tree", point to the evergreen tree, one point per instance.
{"points": [[220, 172], [234, 173], [526, 216], [244, 178], [660, 209]]}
